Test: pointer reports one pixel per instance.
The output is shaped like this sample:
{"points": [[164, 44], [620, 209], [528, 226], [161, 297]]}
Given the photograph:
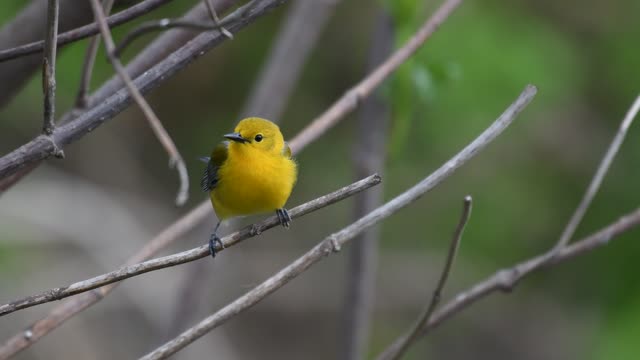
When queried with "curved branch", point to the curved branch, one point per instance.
{"points": [[189, 255], [86, 31], [335, 241]]}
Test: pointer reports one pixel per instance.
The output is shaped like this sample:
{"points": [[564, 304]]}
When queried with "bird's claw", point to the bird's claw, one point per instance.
{"points": [[213, 240], [283, 217]]}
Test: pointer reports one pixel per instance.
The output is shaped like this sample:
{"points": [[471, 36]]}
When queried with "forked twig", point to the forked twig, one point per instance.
{"points": [[175, 160], [407, 340], [603, 168]]}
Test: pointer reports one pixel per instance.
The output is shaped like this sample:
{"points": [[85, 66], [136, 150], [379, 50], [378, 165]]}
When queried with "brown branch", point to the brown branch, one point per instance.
{"points": [[412, 335], [335, 241], [216, 20], [353, 97], [369, 155], [175, 160], [86, 31], [603, 168], [189, 255], [49, 67], [82, 98]]}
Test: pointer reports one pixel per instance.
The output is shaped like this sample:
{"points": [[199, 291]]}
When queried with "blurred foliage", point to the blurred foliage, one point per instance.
{"points": [[525, 186]]}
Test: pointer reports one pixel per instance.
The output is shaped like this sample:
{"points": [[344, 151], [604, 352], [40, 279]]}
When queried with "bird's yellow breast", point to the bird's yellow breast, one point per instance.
{"points": [[253, 181]]}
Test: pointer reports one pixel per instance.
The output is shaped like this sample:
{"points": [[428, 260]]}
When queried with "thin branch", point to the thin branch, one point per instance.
{"points": [[175, 160], [335, 241], [189, 255], [407, 340], [166, 24], [214, 17], [86, 31], [49, 67], [41, 148], [363, 89], [82, 98], [504, 280], [603, 168], [69, 308]]}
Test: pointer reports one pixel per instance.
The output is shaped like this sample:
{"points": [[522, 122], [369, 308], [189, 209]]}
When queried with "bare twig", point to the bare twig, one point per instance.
{"points": [[335, 241], [175, 160], [369, 155], [82, 97], [189, 255], [505, 279], [407, 340], [165, 24], [49, 67], [214, 17], [354, 96], [577, 216], [83, 32]]}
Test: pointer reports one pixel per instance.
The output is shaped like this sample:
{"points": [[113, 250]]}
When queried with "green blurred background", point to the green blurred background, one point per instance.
{"points": [[78, 217]]}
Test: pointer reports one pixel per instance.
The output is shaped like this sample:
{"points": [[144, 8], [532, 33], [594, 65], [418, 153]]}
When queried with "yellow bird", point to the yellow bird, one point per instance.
{"points": [[253, 172]]}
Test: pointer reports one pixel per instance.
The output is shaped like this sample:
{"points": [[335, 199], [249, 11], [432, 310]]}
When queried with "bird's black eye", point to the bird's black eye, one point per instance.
{"points": [[258, 137]]}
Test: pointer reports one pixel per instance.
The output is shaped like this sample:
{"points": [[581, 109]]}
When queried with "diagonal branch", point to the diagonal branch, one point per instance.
{"points": [[175, 160], [603, 168], [335, 241], [407, 340], [353, 97], [189, 255], [86, 31]]}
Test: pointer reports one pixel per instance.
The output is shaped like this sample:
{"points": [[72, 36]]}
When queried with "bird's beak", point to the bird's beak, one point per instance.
{"points": [[236, 137]]}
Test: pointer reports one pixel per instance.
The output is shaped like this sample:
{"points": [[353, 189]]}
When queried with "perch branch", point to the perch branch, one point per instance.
{"points": [[335, 241], [406, 341], [189, 255]]}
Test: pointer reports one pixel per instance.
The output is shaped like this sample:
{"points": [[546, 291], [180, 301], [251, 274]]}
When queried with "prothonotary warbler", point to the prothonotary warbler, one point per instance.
{"points": [[250, 173]]}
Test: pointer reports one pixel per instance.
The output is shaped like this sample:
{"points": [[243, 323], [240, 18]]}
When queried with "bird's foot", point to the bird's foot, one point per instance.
{"points": [[213, 240], [283, 217]]}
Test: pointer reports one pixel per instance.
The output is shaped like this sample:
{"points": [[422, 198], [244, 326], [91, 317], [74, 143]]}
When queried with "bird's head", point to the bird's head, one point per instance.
{"points": [[257, 133]]}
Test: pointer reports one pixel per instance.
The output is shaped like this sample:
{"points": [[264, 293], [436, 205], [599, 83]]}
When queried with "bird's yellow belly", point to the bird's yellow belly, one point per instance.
{"points": [[251, 188]]}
